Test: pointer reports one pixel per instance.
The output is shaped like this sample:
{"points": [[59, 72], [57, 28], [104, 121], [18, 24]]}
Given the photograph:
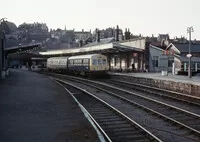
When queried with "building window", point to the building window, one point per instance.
{"points": [[170, 61], [155, 61]]}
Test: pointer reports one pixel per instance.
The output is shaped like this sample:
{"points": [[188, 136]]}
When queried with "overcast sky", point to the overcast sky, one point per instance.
{"points": [[141, 16]]}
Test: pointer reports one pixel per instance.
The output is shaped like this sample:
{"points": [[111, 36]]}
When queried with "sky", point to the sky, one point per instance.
{"points": [[144, 17]]}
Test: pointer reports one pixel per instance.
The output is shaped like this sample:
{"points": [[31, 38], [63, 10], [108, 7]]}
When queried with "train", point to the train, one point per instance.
{"points": [[89, 64]]}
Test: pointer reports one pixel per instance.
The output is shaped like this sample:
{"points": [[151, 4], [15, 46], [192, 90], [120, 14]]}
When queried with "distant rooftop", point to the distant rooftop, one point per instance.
{"points": [[102, 41], [185, 47]]}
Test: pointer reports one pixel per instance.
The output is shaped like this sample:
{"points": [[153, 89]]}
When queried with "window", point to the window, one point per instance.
{"points": [[170, 61], [85, 62], [78, 62], [71, 62], [104, 61], [94, 62], [155, 61], [100, 61]]}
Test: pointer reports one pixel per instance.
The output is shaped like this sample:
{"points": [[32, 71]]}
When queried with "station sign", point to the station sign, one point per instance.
{"points": [[168, 52]]}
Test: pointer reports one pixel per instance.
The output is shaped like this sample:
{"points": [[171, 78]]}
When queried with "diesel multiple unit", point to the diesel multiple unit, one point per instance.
{"points": [[82, 64]]}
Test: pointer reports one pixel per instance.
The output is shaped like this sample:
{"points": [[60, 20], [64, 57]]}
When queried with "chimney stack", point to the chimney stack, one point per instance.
{"points": [[117, 33], [129, 34], [81, 43], [97, 35]]}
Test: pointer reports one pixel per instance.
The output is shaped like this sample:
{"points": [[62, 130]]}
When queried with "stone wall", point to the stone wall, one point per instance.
{"points": [[181, 87]]}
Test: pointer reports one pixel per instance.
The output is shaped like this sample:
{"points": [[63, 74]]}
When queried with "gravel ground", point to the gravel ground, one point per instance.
{"points": [[33, 108]]}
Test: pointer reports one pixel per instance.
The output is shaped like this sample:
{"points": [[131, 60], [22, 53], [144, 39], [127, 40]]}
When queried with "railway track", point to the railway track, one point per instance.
{"points": [[161, 95], [113, 124], [178, 117], [154, 90]]}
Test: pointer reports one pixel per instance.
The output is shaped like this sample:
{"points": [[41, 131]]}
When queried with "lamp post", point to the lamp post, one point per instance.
{"points": [[2, 56], [189, 30]]}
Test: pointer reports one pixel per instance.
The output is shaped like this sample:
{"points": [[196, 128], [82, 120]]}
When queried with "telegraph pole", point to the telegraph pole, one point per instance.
{"points": [[189, 30]]}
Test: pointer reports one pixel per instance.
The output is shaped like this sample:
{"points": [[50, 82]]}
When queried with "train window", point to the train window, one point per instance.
{"points": [[60, 62], [94, 62], [85, 61], [71, 62], [100, 61], [77, 62], [104, 61]]}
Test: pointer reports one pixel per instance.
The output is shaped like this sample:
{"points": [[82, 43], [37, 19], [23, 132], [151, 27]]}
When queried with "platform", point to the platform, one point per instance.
{"points": [[178, 83], [34, 108], [176, 78]]}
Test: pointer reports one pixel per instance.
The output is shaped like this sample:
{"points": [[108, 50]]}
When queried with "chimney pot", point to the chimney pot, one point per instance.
{"points": [[97, 35], [117, 33], [80, 43]]}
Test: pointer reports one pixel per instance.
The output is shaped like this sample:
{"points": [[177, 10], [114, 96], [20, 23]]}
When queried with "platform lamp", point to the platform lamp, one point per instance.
{"points": [[189, 30], [1, 37]]}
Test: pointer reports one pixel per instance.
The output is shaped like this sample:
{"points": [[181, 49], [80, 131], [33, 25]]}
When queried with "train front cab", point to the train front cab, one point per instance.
{"points": [[88, 64], [98, 64]]}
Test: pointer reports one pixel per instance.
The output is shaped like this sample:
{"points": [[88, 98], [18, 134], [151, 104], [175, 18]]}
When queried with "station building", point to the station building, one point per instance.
{"points": [[182, 50], [127, 55]]}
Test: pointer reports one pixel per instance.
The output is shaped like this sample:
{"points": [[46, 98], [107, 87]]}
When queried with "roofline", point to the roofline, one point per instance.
{"points": [[128, 47], [156, 47], [90, 48], [134, 39], [169, 45], [163, 50], [174, 46], [21, 46], [62, 51]]}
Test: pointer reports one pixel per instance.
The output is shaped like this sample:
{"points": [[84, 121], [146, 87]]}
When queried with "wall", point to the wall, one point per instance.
{"points": [[180, 87], [154, 52]]}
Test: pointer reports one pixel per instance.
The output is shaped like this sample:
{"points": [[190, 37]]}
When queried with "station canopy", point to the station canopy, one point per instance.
{"points": [[115, 47], [23, 56], [22, 47]]}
